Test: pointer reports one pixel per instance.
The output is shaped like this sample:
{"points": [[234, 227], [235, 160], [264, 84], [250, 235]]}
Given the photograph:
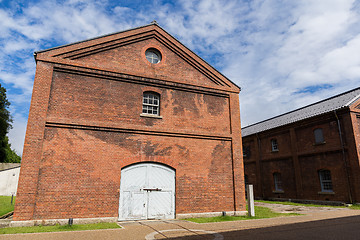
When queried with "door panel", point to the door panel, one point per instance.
{"points": [[161, 177], [160, 205], [147, 191], [138, 205], [134, 178]]}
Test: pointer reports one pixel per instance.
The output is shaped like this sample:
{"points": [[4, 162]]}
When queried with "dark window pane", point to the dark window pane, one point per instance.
{"points": [[319, 137], [325, 180]]}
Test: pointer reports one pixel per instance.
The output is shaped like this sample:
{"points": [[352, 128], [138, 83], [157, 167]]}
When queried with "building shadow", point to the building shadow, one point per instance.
{"points": [[339, 228]]}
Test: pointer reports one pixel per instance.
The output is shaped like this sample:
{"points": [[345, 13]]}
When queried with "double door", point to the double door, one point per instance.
{"points": [[147, 191]]}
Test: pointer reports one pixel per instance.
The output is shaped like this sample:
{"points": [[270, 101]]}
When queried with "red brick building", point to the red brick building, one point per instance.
{"points": [[311, 153], [131, 125]]}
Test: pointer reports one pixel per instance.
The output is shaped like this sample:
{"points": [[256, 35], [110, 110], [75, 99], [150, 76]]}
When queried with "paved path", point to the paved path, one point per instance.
{"points": [[332, 224]]}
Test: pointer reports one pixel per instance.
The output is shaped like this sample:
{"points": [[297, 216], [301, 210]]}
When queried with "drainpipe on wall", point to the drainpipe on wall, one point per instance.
{"points": [[260, 167], [344, 157]]}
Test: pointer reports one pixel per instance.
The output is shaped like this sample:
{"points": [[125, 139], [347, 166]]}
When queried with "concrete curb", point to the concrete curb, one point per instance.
{"points": [[4, 223], [210, 214]]}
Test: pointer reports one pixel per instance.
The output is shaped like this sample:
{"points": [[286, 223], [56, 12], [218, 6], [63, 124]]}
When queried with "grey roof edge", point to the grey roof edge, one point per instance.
{"points": [[352, 100], [327, 99], [131, 29]]}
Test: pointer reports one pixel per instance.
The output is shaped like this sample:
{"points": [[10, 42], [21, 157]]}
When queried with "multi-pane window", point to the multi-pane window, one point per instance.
{"points": [[325, 181], [277, 181], [151, 103], [274, 145], [319, 137]]}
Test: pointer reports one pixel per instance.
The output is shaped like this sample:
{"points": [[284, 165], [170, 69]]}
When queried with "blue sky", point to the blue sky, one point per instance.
{"points": [[283, 54]]}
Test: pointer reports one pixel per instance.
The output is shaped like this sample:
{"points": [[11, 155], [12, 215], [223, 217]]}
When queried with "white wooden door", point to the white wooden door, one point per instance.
{"points": [[147, 191]]}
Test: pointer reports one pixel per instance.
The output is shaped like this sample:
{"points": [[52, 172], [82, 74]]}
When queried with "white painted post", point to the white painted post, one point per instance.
{"points": [[250, 200]]}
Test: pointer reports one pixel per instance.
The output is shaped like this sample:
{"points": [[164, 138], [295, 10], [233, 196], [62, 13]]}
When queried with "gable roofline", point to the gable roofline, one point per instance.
{"points": [[131, 29], [315, 109], [94, 38]]}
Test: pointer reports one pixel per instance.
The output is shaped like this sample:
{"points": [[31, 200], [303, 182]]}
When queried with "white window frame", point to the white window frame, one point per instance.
{"points": [[325, 180], [274, 145], [153, 56], [151, 104], [278, 182]]}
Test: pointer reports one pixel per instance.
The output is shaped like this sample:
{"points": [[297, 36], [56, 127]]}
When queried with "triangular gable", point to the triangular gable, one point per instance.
{"points": [[107, 53]]}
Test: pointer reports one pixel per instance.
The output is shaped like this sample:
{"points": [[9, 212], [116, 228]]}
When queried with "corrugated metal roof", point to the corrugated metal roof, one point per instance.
{"points": [[342, 100]]}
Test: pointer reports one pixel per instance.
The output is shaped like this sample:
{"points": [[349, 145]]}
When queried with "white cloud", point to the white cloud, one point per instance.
{"points": [[314, 45], [22, 79], [277, 51]]}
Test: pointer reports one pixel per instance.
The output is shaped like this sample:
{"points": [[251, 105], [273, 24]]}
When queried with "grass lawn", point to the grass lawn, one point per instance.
{"points": [[58, 228], [260, 212], [5, 204], [355, 206]]}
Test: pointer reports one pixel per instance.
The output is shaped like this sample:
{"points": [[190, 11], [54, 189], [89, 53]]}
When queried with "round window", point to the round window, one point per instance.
{"points": [[153, 55]]}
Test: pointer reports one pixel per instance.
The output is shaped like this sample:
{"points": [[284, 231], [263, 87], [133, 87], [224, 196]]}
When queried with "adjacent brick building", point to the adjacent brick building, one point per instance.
{"points": [[134, 117], [311, 153]]}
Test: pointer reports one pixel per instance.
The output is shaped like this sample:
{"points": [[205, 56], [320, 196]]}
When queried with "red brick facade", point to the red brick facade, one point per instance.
{"points": [[85, 125], [299, 159]]}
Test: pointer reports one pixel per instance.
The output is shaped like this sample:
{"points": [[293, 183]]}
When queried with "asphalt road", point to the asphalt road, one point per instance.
{"points": [[316, 225]]}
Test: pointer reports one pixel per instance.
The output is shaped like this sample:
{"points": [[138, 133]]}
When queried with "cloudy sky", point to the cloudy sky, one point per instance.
{"points": [[283, 54]]}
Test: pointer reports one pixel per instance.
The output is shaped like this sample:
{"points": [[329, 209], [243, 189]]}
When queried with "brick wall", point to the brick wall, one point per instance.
{"points": [[299, 159], [85, 126]]}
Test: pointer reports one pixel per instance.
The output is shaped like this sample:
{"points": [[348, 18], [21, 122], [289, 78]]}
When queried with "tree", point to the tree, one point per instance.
{"points": [[6, 153], [11, 156]]}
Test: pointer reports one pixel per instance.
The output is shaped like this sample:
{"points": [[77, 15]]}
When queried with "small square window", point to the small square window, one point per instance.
{"points": [[274, 145], [319, 137]]}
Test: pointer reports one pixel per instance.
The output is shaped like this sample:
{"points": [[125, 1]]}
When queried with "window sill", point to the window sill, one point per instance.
{"points": [[274, 151], [278, 191], [150, 115], [321, 143], [326, 193]]}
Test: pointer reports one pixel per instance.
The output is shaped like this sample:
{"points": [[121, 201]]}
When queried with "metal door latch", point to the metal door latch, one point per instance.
{"points": [[152, 189]]}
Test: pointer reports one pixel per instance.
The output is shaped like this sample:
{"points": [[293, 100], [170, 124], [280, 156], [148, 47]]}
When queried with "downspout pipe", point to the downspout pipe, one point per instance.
{"points": [[344, 157], [260, 166]]}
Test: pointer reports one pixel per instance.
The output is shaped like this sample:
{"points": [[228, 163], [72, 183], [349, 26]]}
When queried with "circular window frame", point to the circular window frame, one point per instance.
{"points": [[154, 51]]}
